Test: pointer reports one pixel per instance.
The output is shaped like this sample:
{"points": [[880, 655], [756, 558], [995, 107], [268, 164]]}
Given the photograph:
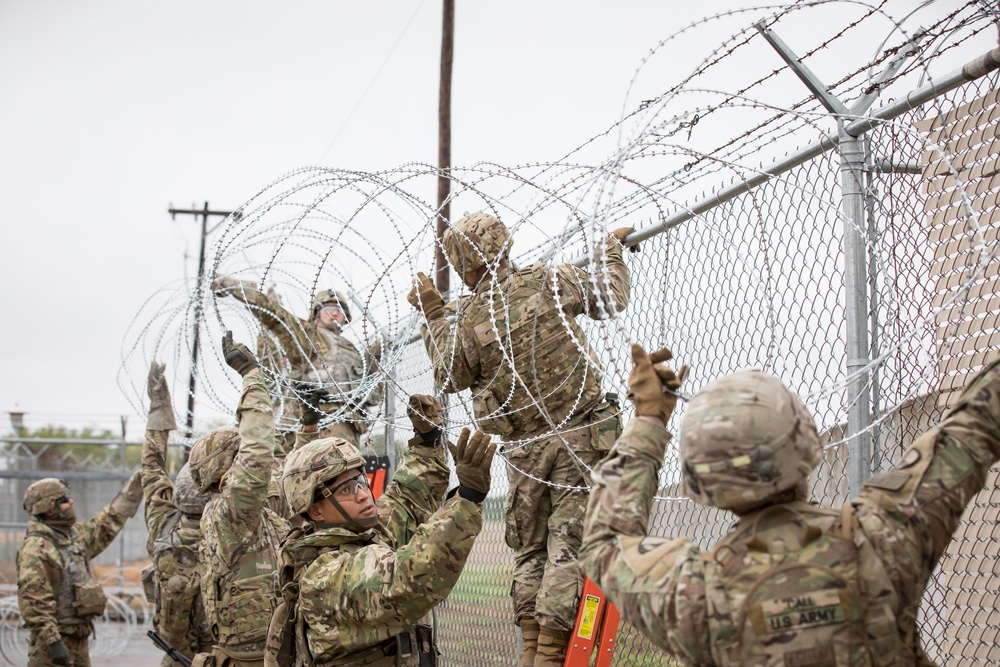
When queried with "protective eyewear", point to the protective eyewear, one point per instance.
{"points": [[331, 309], [349, 487], [62, 500]]}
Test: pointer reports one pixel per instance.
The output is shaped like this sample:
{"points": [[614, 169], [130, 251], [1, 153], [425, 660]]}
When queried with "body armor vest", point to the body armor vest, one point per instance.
{"points": [[175, 553], [78, 597], [334, 359], [238, 599], [520, 328], [789, 587], [288, 646]]}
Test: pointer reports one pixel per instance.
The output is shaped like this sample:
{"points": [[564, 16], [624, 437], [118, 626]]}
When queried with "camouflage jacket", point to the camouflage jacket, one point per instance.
{"points": [[157, 489], [240, 537], [517, 341], [359, 589], [903, 520], [40, 567], [315, 354]]}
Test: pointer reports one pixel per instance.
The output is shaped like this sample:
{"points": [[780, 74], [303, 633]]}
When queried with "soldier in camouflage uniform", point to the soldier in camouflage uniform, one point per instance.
{"points": [[547, 405], [173, 517], [792, 583], [362, 572], [318, 354], [241, 538], [56, 592]]}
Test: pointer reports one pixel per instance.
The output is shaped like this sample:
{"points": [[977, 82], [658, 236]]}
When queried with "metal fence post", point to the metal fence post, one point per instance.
{"points": [[855, 309]]}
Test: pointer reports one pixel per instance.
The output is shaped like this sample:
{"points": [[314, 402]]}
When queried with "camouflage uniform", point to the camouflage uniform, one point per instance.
{"points": [[358, 590], [708, 608], [528, 314], [317, 355], [174, 539], [241, 538], [53, 575]]}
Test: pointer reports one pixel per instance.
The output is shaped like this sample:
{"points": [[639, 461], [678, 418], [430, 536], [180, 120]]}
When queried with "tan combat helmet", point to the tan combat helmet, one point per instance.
{"points": [[186, 496], [328, 295], [745, 439], [41, 496], [212, 456], [474, 241], [314, 464]]}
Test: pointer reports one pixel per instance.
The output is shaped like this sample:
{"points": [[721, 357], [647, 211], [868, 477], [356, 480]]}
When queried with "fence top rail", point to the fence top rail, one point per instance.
{"points": [[971, 71]]}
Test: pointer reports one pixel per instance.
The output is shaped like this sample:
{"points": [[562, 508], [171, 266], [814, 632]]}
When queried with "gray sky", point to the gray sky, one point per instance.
{"points": [[114, 110]]}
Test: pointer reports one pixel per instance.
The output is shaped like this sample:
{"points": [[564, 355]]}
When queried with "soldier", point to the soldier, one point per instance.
{"points": [[173, 517], [361, 573], [318, 354], [547, 405], [792, 583], [56, 591], [241, 538]]}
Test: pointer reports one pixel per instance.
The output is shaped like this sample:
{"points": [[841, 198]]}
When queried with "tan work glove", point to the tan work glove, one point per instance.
{"points": [[161, 410], [651, 385], [425, 413], [620, 234], [130, 497], [424, 296], [224, 284], [473, 458]]}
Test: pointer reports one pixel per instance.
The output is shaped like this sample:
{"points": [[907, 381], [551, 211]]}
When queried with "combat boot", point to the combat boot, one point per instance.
{"points": [[529, 642], [551, 647]]}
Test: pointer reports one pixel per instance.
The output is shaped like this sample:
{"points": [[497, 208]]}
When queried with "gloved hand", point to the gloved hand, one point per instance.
{"points": [[424, 296], [130, 497], [161, 410], [620, 234], [223, 285], [424, 413], [652, 387], [238, 356], [473, 458], [59, 654], [311, 397], [374, 352]]}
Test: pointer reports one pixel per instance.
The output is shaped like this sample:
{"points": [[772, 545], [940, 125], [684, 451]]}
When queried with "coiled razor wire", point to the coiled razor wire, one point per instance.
{"points": [[741, 263]]}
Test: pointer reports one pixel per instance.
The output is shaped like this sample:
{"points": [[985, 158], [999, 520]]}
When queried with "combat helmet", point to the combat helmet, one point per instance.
{"points": [[745, 439], [328, 295], [314, 464], [212, 456], [475, 240], [40, 498], [186, 496]]}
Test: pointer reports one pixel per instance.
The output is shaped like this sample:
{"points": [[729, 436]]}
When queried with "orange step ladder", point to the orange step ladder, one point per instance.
{"points": [[596, 627], [376, 468]]}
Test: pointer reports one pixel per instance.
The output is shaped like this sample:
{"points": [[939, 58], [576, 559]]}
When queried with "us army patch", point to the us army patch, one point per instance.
{"points": [[815, 608]]}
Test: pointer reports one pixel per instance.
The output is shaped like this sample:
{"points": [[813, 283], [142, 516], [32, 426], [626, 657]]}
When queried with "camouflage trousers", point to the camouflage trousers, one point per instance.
{"points": [[181, 620], [544, 526], [79, 651]]}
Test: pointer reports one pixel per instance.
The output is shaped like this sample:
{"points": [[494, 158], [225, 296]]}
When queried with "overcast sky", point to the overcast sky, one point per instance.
{"points": [[113, 110]]}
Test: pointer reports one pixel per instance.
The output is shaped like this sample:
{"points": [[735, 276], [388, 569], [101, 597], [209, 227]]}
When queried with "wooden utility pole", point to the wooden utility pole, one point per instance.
{"points": [[204, 213], [441, 280]]}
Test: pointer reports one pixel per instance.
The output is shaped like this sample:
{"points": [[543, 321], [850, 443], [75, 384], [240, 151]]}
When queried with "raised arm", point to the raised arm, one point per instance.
{"points": [[286, 327], [245, 491], [657, 583], [603, 294], [157, 489], [100, 531], [454, 354]]}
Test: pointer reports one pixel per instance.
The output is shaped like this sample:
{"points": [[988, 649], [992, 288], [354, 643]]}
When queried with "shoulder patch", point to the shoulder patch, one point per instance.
{"points": [[652, 557], [890, 480]]}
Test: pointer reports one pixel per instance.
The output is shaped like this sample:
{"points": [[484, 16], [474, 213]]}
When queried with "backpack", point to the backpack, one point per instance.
{"points": [[785, 589]]}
